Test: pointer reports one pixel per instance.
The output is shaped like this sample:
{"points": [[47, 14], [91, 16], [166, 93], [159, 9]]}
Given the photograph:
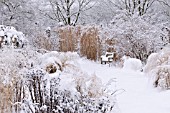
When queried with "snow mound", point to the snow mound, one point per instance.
{"points": [[132, 63], [2, 33]]}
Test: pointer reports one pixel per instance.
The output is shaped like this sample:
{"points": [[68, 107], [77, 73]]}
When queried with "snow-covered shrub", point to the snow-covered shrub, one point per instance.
{"points": [[92, 86], [151, 62], [5, 97], [158, 67], [57, 60], [66, 93], [125, 35], [9, 36], [45, 38], [70, 90], [68, 37], [162, 78], [133, 35], [41, 41], [12, 61], [27, 86], [82, 39], [51, 64], [90, 42], [131, 63]]}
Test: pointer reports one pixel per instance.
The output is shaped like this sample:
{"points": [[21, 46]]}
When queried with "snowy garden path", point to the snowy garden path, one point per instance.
{"points": [[139, 95]]}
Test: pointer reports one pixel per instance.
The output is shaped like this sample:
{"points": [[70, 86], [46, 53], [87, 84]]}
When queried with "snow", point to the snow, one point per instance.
{"points": [[1, 33], [134, 90], [151, 62], [60, 24], [139, 95], [133, 64]]}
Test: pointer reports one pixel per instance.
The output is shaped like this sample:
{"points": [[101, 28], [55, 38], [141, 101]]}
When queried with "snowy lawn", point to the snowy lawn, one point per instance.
{"points": [[139, 96]]}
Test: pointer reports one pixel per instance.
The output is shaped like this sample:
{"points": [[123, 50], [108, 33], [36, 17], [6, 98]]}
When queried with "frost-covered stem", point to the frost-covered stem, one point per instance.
{"points": [[20, 93], [51, 97], [16, 108], [40, 94], [23, 92], [34, 88], [30, 89]]}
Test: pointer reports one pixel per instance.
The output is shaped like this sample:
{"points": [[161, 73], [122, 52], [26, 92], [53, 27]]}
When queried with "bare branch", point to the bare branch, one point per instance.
{"points": [[164, 2]]}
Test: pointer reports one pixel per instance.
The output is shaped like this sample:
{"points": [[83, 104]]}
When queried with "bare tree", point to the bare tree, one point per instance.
{"points": [[166, 6], [17, 13], [165, 2], [68, 11], [132, 6]]}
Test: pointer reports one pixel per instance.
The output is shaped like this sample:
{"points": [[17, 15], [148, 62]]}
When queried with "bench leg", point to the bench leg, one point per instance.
{"points": [[103, 62]]}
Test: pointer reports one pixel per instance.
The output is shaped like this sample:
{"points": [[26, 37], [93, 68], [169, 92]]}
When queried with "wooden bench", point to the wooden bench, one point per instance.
{"points": [[107, 58]]}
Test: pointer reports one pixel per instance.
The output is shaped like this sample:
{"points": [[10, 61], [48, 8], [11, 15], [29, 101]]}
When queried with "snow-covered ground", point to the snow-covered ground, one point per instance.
{"points": [[139, 96]]}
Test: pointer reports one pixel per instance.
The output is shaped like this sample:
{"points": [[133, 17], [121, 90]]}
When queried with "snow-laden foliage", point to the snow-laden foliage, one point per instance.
{"points": [[158, 67], [136, 36], [45, 39], [28, 86], [10, 37], [48, 95], [12, 63], [35, 15]]}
